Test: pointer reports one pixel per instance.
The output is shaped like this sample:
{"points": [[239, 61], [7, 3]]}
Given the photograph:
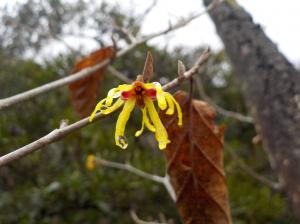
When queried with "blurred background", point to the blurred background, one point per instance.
{"points": [[40, 41]]}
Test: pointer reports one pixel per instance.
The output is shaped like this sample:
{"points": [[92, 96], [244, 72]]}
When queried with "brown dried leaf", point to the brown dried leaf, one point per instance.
{"points": [[195, 165], [84, 91]]}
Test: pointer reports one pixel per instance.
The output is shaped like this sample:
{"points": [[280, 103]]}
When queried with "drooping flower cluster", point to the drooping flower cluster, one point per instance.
{"points": [[142, 95]]}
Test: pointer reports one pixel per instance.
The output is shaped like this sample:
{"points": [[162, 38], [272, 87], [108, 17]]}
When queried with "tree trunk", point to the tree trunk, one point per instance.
{"points": [[271, 86]]}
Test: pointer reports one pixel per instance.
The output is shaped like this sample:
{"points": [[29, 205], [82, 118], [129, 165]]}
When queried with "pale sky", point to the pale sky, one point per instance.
{"points": [[280, 20]]}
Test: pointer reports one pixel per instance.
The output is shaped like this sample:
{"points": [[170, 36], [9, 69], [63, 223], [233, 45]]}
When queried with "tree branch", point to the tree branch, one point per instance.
{"points": [[53, 136], [129, 37], [149, 9], [137, 220], [128, 167], [57, 134], [197, 68], [119, 75], [184, 22], [220, 110], [10, 101], [110, 68]]}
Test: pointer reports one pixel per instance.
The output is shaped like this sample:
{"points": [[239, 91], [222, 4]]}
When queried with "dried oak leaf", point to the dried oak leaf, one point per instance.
{"points": [[194, 163], [84, 91]]}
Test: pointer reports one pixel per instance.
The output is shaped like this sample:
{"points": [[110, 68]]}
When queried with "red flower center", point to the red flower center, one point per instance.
{"points": [[151, 93], [139, 92], [125, 95]]}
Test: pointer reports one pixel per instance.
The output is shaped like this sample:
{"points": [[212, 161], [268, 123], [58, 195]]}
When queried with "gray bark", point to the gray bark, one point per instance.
{"points": [[271, 86]]}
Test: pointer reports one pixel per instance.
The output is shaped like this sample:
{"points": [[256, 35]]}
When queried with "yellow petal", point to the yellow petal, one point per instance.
{"points": [[146, 122], [179, 112], [161, 134], [139, 132], [121, 123], [114, 107], [158, 87], [97, 108], [170, 101], [161, 100], [110, 96], [125, 87], [149, 85]]}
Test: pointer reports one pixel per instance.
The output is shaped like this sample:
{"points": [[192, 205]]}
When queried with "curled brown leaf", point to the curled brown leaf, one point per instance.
{"points": [[195, 163]]}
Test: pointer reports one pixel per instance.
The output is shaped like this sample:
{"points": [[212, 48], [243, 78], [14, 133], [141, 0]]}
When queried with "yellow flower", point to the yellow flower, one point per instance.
{"points": [[90, 162], [142, 95]]}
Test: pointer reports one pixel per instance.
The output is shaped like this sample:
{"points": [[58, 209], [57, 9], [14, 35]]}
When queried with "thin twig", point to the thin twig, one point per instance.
{"points": [[10, 101], [129, 168], [148, 10], [57, 134], [224, 112], [273, 185], [169, 187], [119, 75], [110, 68], [197, 68], [125, 31], [184, 22], [137, 220], [53, 136]]}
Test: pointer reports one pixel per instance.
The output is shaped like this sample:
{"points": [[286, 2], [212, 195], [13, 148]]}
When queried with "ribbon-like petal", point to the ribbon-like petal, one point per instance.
{"points": [[161, 134], [110, 96], [97, 108], [160, 96], [179, 112], [114, 107], [146, 122], [170, 101], [121, 123]]}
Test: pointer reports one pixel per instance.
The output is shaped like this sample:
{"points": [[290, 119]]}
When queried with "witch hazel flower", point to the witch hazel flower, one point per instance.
{"points": [[142, 95]]}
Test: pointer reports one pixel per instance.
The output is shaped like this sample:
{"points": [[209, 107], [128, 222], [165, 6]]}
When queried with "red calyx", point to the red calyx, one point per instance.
{"points": [[125, 95], [151, 93]]}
